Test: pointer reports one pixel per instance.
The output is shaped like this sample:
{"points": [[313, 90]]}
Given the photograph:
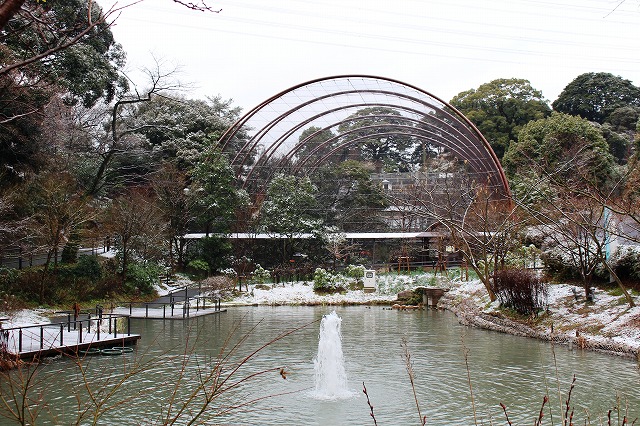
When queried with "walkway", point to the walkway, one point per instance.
{"points": [[180, 304], [50, 339]]}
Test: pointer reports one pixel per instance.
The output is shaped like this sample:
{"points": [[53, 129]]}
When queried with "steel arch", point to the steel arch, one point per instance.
{"points": [[274, 123]]}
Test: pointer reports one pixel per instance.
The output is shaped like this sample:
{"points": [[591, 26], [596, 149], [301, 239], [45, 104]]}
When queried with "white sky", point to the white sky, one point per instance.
{"points": [[254, 49]]}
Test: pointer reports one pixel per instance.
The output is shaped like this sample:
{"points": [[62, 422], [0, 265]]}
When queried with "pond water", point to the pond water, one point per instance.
{"points": [[173, 357]]}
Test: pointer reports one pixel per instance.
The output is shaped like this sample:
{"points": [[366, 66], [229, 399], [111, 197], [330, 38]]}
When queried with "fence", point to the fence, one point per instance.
{"points": [[186, 308], [44, 336]]}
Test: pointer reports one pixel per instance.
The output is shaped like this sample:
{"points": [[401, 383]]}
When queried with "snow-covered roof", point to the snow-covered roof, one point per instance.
{"points": [[348, 235]]}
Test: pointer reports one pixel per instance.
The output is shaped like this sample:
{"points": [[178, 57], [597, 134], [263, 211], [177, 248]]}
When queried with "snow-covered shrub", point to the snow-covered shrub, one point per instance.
{"points": [[229, 272], [626, 263], [325, 281], [556, 266], [260, 275], [394, 284], [354, 271], [426, 280]]}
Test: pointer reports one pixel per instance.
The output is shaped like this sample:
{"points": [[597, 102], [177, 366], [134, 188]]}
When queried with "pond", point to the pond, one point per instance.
{"points": [[459, 372]]}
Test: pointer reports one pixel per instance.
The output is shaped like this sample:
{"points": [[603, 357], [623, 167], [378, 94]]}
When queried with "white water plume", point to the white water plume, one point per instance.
{"points": [[330, 374]]}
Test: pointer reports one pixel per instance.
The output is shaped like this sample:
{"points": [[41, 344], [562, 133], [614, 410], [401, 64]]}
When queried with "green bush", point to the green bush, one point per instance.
{"points": [[326, 282], [199, 267], [88, 267], [627, 264], [260, 275], [141, 278], [354, 271], [214, 250]]}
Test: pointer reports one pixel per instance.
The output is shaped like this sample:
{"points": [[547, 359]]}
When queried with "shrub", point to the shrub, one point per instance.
{"points": [[627, 264], [221, 286], [88, 267], [326, 282], [214, 250], [199, 267], [520, 290], [354, 271], [141, 278], [557, 268], [229, 272], [260, 275], [70, 252]]}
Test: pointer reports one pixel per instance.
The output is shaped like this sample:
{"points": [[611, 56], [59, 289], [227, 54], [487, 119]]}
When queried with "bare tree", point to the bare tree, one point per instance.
{"points": [[122, 122], [480, 223], [136, 223], [572, 216], [59, 210], [179, 206], [338, 246]]}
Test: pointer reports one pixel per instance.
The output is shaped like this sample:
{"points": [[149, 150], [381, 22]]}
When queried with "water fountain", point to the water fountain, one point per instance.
{"points": [[330, 374]]}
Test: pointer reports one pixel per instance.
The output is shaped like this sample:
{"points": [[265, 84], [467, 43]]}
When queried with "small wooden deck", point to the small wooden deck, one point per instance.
{"points": [[44, 340]]}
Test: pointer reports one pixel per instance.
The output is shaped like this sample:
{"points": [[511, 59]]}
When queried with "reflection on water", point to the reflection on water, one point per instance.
{"points": [[504, 369]]}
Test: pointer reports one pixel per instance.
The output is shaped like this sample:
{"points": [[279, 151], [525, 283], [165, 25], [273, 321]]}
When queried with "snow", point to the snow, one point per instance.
{"points": [[301, 293], [607, 323], [25, 317]]}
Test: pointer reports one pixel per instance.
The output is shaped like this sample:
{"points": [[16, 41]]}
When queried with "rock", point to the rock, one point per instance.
{"points": [[405, 295]]}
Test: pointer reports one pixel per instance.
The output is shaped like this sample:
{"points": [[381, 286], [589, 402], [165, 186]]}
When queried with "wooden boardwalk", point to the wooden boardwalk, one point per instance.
{"points": [[51, 339], [181, 305], [165, 312]]}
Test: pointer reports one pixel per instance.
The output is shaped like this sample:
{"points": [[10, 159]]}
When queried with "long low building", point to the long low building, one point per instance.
{"points": [[348, 235]]}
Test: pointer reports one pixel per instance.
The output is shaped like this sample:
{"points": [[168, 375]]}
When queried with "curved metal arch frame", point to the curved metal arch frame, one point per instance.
{"points": [[449, 143], [256, 139], [469, 131]]}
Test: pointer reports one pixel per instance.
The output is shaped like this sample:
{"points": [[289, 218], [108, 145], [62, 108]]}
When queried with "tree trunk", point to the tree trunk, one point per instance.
{"points": [[619, 282], [8, 9], [43, 277]]}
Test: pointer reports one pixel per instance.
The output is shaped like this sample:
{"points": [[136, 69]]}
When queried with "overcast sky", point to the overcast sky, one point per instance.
{"points": [[254, 49]]}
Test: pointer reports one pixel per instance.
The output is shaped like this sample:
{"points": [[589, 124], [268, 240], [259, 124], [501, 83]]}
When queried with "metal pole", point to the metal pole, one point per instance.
{"points": [[20, 339], [129, 326], [69, 322], [80, 333], [41, 337], [146, 310], [164, 311], [61, 332]]}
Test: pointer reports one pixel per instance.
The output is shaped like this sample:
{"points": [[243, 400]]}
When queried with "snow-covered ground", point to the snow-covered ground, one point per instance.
{"points": [[607, 324], [300, 293], [24, 317]]}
